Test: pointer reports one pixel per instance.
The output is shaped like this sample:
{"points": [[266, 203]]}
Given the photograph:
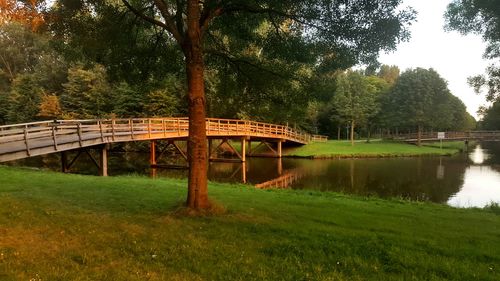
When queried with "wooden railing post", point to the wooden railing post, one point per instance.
{"points": [[54, 138], [113, 122], [164, 127], [79, 131], [178, 126], [100, 129], [149, 128], [131, 127], [26, 140]]}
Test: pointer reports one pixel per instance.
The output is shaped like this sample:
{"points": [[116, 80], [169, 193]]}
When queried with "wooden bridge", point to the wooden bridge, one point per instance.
{"points": [[39, 138], [450, 136]]}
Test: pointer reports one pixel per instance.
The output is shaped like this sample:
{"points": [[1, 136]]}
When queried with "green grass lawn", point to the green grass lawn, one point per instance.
{"points": [[374, 148], [71, 227]]}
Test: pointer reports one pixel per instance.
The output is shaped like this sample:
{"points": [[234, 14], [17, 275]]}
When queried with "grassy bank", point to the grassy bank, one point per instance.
{"points": [[334, 149], [71, 227]]}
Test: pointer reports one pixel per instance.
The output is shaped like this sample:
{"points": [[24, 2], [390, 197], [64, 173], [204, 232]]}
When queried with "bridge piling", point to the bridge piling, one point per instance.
{"points": [[103, 161], [279, 148], [152, 153], [243, 148]]}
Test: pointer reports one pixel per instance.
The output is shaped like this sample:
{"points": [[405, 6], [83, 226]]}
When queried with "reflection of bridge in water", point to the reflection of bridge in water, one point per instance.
{"points": [[285, 180], [20, 141]]}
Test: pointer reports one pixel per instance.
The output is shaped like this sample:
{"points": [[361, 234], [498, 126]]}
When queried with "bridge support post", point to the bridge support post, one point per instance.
{"points": [[279, 148], [243, 149], [249, 147], [103, 159], [152, 153]]}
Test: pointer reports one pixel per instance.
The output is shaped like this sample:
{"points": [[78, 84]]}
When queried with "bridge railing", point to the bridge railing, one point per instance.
{"points": [[245, 127], [451, 135], [61, 131]]}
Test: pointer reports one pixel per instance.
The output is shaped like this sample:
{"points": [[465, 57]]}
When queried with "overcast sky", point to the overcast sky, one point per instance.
{"points": [[453, 56]]}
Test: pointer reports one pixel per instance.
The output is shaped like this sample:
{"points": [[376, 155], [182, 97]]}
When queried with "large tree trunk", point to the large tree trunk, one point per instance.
{"points": [[338, 132], [197, 139], [352, 133]]}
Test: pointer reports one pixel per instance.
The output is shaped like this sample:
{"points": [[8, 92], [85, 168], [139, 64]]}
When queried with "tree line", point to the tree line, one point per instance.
{"points": [[39, 82]]}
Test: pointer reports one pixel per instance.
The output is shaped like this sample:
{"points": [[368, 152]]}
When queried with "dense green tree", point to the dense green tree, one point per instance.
{"points": [[355, 100], [420, 98], [129, 101], [480, 17], [26, 62], [490, 117], [379, 88], [20, 50], [24, 99], [166, 100], [87, 94]]}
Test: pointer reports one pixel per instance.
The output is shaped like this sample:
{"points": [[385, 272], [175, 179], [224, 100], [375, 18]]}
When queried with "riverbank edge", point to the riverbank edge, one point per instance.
{"points": [[369, 156], [451, 151]]}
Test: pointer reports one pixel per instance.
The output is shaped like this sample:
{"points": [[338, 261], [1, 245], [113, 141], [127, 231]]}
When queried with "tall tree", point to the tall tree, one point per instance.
{"points": [[480, 17], [355, 99], [331, 34], [418, 99], [490, 117]]}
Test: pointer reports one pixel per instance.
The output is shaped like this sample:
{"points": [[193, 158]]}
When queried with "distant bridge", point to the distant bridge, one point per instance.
{"points": [[39, 138], [450, 136]]}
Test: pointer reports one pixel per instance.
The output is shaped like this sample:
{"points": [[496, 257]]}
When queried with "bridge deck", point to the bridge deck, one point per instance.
{"points": [[38, 138]]}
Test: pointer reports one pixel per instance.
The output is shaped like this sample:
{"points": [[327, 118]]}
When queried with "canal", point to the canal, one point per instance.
{"points": [[469, 179]]}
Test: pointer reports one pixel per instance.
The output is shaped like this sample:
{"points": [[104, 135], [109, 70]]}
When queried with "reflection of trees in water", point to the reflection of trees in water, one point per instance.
{"points": [[493, 150], [412, 178]]}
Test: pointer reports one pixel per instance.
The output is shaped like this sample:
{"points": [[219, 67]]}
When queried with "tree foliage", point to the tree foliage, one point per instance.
{"points": [[421, 99], [480, 17], [355, 100]]}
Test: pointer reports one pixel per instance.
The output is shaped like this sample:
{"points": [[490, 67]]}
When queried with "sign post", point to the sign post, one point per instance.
{"points": [[441, 136]]}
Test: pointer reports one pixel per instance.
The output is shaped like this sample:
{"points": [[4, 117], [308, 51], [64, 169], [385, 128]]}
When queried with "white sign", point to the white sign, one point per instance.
{"points": [[441, 135]]}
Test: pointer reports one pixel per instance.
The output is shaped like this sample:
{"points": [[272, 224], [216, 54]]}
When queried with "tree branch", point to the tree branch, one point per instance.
{"points": [[143, 16], [208, 14], [167, 25], [169, 20], [270, 12]]}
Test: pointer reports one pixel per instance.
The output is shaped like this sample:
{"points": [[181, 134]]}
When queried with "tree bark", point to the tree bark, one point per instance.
{"points": [[338, 132], [197, 139], [352, 132]]}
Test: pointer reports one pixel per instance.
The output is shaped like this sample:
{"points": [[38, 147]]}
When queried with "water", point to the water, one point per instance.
{"points": [[465, 180]]}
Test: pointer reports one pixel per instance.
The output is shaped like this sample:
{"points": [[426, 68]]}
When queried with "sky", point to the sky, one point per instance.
{"points": [[454, 56]]}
